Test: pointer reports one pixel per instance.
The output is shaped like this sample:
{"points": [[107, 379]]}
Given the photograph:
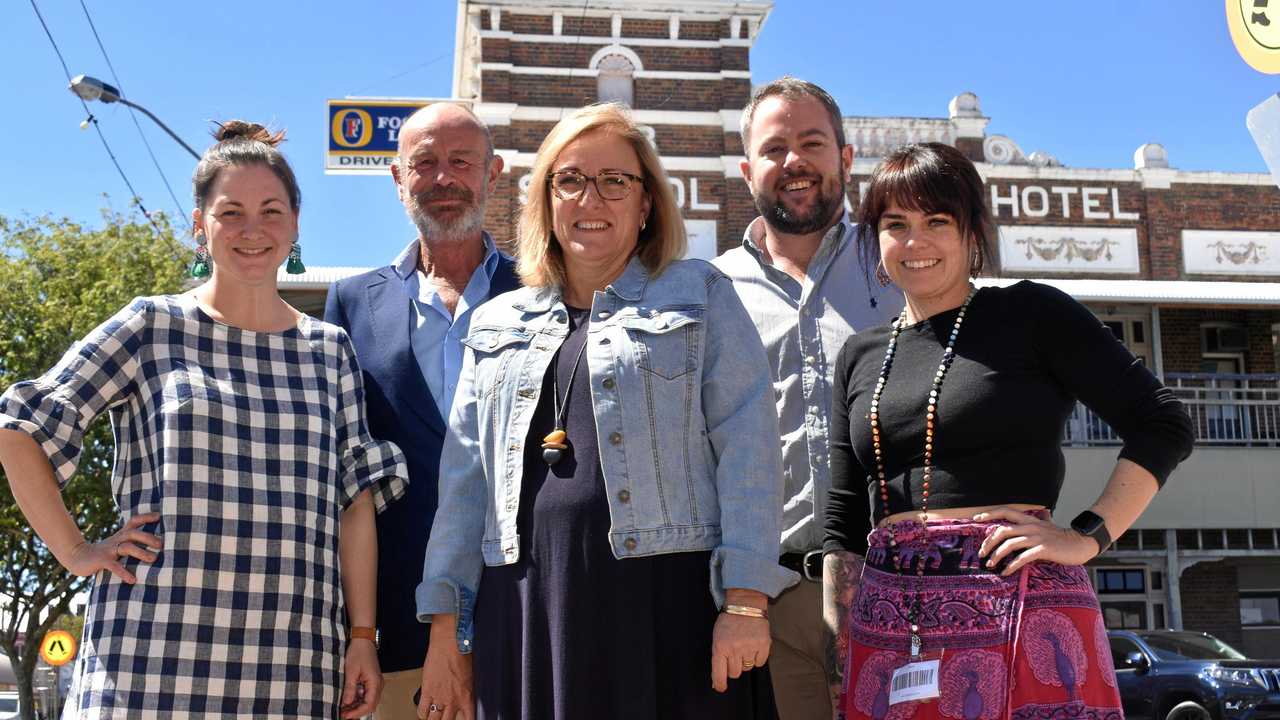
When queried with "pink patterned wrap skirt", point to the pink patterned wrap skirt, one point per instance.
{"points": [[1031, 645]]}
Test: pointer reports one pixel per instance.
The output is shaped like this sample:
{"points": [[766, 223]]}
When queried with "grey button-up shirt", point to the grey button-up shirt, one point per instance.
{"points": [[803, 326]]}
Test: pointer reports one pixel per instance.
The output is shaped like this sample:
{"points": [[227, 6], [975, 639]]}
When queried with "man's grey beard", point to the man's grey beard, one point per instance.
{"points": [[461, 227], [434, 230], [784, 220]]}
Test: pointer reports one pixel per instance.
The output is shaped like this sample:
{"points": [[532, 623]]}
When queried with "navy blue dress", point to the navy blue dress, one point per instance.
{"points": [[569, 632]]}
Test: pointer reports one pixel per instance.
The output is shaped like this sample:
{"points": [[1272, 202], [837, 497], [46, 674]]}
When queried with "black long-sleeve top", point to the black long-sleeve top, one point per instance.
{"points": [[1025, 354]]}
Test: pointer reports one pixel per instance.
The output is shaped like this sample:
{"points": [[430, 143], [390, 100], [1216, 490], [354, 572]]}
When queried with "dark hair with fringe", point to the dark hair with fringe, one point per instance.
{"points": [[928, 178], [243, 143]]}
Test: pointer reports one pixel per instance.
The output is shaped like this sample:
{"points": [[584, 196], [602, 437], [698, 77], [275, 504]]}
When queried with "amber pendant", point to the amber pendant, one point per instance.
{"points": [[554, 445]]}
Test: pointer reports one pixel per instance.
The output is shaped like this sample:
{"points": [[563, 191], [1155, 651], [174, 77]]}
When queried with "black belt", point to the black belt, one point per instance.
{"points": [[808, 564]]}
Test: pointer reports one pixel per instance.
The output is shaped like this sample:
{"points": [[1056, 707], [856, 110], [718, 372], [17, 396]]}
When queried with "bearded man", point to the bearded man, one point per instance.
{"points": [[407, 322], [799, 275]]}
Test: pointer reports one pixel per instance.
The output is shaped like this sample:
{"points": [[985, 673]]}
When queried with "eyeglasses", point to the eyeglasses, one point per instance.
{"points": [[610, 184]]}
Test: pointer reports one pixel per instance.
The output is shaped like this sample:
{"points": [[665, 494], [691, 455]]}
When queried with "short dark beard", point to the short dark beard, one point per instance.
{"points": [[777, 216]]}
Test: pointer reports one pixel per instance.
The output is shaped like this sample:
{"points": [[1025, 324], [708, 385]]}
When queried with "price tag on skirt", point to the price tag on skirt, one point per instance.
{"points": [[914, 681]]}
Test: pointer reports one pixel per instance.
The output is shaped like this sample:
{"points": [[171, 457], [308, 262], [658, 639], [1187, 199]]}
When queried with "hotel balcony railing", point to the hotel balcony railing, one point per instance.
{"points": [[1227, 410]]}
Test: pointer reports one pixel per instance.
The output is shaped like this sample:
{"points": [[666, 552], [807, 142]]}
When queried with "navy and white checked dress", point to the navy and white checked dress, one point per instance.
{"points": [[249, 445]]}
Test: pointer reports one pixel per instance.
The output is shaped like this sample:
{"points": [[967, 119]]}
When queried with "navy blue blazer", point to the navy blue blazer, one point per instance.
{"points": [[377, 313]]}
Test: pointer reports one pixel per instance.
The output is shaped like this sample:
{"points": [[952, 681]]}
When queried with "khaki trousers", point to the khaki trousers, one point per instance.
{"points": [[796, 659], [397, 695]]}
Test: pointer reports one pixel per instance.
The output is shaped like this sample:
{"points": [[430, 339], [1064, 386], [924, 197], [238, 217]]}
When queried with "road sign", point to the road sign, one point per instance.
{"points": [[1255, 30], [58, 648]]}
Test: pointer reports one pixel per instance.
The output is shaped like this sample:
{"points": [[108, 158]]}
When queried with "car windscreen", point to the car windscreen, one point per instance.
{"points": [[1191, 647]]}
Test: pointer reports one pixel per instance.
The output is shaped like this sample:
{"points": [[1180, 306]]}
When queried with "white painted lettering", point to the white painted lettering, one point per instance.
{"points": [[1033, 190], [679, 188], [695, 203], [1011, 201], [1065, 193], [1090, 198], [1116, 212]]}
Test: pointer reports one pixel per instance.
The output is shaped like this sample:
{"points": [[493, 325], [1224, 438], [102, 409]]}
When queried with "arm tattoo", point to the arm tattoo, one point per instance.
{"points": [[841, 572]]}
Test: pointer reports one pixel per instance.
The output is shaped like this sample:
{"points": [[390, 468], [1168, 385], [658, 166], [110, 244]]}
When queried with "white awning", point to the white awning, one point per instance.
{"points": [[316, 277], [1159, 292]]}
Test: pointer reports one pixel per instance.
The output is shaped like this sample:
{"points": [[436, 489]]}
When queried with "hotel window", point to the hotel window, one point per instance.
{"points": [[615, 82], [1259, 609], [1128, 581]]}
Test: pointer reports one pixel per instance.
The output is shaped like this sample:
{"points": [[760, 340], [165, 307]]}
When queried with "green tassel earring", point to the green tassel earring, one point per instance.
{"points": [[295, 266], [200, 265]]}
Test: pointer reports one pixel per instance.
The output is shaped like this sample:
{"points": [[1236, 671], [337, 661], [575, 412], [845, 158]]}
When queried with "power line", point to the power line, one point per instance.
{"points": [[582, 19], [91, 119], [399, 75], [182, 213]]}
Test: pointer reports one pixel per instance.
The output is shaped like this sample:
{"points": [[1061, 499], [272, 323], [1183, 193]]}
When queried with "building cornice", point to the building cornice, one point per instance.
{"points": [[610, 40]]}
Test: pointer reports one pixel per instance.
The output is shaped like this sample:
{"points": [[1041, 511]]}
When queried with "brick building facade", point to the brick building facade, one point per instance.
{"points": [[1181, 265]]}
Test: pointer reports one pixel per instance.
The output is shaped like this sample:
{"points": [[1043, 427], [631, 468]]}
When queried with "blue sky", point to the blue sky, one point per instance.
{"points": [[1088, 81]]}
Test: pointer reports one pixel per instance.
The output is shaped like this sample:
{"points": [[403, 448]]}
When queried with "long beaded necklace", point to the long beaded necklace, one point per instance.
{"points": [[930, 435]]}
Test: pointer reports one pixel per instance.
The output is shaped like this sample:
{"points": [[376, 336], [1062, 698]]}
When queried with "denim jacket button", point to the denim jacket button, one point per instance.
{"points": [[629, 543], [615, 437], [624, 495], [608, 383]]}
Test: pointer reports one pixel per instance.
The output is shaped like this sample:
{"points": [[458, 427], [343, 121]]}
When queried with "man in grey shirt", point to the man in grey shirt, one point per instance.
{"points": [[799, 275]]}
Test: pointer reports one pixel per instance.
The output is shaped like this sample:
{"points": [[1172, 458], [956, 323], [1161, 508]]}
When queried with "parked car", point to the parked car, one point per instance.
{"points": [[1178, 675], [9, 706]]}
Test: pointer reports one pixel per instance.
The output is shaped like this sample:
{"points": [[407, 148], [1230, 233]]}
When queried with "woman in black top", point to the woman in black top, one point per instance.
{"points": [[947, 432]]}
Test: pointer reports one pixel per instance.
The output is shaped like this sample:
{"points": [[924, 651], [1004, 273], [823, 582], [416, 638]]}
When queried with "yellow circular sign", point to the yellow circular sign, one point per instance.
{"points": [[58, 648], [1255, 29]]}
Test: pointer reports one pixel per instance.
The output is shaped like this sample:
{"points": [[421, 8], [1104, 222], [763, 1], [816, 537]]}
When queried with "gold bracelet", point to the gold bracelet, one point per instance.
{"points": [[746, 611]]}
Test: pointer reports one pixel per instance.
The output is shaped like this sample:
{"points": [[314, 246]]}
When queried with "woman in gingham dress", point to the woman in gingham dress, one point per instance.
{"points": [[241, 449]]}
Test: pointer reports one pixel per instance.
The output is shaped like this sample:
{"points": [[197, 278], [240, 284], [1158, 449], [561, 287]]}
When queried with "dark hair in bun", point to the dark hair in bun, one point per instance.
{"points": [[243, 143], [241, 129]]}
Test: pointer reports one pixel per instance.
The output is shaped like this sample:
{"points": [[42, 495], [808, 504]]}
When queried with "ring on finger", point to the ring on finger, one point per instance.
{"points": [[748, 664], [435, 708]]}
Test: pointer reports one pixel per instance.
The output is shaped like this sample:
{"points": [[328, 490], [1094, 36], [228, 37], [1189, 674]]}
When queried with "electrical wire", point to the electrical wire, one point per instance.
{"points": [[94, 121], [401, 74], [182, 213], [582, 19]]}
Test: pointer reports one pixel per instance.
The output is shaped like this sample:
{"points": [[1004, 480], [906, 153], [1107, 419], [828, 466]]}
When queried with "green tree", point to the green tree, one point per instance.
{"points": [[58, 281]]}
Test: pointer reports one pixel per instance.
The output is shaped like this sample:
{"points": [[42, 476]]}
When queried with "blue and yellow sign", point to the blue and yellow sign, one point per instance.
{"points": [[364, 134]]}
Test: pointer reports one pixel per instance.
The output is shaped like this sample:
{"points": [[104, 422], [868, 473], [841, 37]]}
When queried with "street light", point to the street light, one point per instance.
{"points": [[91, 88]]}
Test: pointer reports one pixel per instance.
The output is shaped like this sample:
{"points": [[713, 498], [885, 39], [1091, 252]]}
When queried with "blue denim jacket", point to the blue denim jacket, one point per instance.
{"points": [[685, 415]]}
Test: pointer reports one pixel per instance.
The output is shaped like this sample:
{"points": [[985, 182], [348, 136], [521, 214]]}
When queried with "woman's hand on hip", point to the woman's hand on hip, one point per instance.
{"points": [[447, 687], [739, 643], [1026, 538], [362, 679], [88, 558]]}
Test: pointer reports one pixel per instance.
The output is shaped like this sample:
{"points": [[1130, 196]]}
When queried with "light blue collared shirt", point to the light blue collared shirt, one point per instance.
{"points": [[803, 325], [437, 335]]}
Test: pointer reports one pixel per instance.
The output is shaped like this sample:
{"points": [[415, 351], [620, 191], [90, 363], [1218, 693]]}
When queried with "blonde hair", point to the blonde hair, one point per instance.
{"points": [[541, 261]]}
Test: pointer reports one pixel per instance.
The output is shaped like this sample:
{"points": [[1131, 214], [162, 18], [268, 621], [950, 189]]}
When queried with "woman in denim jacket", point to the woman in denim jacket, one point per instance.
{"points": [[607, 534]]}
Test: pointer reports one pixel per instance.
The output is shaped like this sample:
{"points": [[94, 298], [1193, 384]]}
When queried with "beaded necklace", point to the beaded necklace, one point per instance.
{"points": [[948, 356]]}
